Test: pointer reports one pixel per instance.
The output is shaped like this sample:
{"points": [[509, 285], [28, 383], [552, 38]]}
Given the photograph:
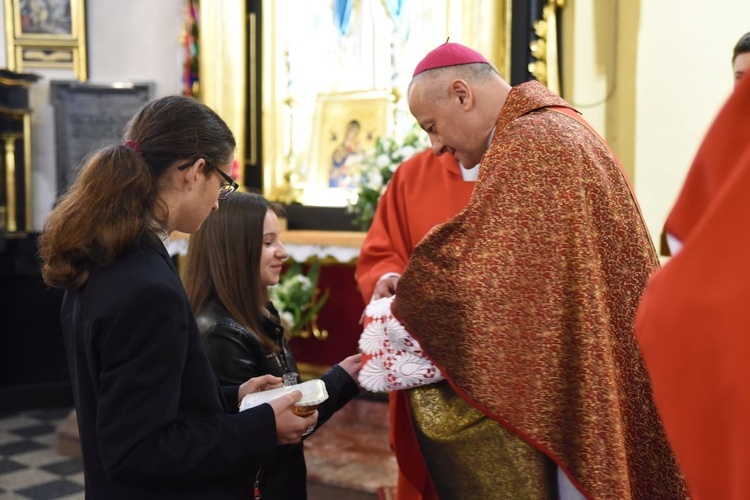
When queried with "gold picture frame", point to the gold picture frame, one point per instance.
{"points": [[46, 34], [345, 128]]}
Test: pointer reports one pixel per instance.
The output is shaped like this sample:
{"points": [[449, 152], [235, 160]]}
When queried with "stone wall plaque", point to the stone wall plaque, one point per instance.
{"points": [[89, 117]]}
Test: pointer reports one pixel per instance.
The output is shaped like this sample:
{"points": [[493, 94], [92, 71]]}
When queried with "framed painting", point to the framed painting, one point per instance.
{"points": [[46, 34], [346, 126]]}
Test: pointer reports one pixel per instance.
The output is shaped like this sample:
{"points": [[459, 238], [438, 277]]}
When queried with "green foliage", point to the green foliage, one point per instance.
{"points": [[378, 168], [295, 295]]}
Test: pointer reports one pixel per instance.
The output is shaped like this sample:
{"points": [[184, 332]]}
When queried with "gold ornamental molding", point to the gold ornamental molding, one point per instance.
{"points": [[544, 49], [9, 143], [224, 74], [47, 38]]}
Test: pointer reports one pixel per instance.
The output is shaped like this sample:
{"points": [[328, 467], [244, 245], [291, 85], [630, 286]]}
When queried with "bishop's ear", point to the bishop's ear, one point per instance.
{"points": [[462, 91]]}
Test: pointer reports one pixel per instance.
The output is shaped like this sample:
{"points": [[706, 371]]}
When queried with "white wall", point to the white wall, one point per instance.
{"points": [[128, 41], [587, 60], [684, 76], [659, 71]]}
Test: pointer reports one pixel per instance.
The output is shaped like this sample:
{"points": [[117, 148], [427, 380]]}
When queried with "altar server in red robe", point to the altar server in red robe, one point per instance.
{"points": [[693, 320], [425, 191]]}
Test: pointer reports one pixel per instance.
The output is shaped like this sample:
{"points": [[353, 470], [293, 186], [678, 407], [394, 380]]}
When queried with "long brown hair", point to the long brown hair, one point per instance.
{"points": [[115, 199], [223, 260]]}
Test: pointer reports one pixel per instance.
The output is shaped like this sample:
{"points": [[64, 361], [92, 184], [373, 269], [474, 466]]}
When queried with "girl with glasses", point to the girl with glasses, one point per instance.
{"points": [[154, 421]]}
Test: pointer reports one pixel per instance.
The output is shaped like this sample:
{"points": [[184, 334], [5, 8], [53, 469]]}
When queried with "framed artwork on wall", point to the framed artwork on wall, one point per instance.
{"points": [[46, 34], [346, 125]]}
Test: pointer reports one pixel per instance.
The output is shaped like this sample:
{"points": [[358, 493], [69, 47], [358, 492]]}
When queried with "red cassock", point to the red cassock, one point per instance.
{"points": [[693, 320], [425, 191]]}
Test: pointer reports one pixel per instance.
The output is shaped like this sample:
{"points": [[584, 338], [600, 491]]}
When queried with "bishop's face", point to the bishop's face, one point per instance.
{"points": [[452, 126]]}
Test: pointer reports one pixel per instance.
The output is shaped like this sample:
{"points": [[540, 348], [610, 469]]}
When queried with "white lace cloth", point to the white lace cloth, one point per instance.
{"points": [[392, 359]]}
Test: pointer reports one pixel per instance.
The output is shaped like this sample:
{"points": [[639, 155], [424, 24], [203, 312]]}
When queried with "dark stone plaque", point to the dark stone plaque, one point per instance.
{"points": [[88, 117]]}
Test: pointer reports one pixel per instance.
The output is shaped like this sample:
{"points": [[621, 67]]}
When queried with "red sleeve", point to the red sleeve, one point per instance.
{"points": [[387, 245]]}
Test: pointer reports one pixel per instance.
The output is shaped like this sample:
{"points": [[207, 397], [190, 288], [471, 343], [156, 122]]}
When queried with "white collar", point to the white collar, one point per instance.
{"points": [[469, 174]]}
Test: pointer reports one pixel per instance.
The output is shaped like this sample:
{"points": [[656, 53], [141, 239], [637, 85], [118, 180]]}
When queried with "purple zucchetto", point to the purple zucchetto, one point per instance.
{"points": [[449, 54]]}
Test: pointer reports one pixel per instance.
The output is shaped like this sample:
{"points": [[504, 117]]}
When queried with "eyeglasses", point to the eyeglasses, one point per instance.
{"points": [[227, 188]]}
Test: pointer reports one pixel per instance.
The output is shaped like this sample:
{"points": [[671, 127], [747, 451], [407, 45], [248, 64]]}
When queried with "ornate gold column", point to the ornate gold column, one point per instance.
{"points": [[544, 49], [223, 71], [15, 161], [27, 168], [9, 141]]}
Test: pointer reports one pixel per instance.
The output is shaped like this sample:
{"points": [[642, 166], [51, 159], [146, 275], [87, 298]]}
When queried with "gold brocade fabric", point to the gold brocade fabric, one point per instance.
{"points": [[471, 456], [526, 301]]}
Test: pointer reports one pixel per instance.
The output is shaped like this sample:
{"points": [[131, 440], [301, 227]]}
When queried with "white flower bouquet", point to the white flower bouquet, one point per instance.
{"points": [[295, 297], [378, 168]]}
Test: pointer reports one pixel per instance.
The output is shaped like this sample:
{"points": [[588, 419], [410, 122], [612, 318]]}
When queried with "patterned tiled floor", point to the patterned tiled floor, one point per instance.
{"points": [[30, 468], [347, 459]]}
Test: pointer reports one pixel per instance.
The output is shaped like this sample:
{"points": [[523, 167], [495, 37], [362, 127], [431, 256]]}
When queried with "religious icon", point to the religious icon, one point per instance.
{"points": [[346, 127], [341, 160]]}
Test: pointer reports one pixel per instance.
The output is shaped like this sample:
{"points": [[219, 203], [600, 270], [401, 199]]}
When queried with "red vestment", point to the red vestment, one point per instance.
{"points": [[692, 324], [526, 299], [425, 190]]}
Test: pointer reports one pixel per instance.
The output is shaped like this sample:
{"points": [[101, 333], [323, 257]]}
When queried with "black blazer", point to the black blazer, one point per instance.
{"points": [[236, 355], [154, 422]]}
